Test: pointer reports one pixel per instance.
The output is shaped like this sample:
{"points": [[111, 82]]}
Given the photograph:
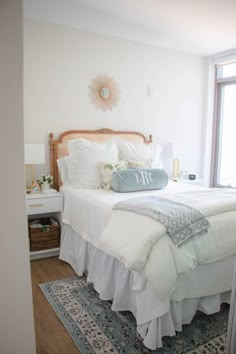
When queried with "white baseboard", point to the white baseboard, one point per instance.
{"points": [[45, 253]]}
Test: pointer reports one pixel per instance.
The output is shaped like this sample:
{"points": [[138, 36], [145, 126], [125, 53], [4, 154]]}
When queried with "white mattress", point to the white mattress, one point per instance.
{"points": [[155, 318]]}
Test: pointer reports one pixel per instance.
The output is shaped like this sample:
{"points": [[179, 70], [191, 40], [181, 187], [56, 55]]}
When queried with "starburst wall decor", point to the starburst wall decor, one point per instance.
{"points": [[104, 92]]}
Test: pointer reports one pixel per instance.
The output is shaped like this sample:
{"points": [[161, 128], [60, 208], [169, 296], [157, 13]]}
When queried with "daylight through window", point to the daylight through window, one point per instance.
{"points": [[224, 171]]}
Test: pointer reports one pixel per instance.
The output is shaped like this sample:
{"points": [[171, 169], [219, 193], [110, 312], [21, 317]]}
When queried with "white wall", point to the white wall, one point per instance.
{"points": [[16, 315], [60, 62]]}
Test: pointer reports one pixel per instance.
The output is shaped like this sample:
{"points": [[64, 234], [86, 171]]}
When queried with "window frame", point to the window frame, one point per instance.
{"points": [[220, 83]]}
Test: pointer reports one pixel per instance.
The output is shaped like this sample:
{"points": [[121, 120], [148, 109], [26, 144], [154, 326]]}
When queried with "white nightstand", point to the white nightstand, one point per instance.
{"points": [[44, 205]]}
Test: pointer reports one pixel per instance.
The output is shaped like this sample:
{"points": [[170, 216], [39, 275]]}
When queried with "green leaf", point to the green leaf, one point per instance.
{"points": [[108, 165]]}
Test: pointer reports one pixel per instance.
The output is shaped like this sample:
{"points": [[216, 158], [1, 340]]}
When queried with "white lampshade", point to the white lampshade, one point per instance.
{"points": [[34, 154]]}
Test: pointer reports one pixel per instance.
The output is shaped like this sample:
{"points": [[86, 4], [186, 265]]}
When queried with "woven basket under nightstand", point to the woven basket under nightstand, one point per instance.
{"points": [[45, 236]]}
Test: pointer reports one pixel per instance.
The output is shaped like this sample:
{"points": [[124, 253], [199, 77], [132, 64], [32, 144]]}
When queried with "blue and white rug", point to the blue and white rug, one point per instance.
{"points": [[96, 329]]}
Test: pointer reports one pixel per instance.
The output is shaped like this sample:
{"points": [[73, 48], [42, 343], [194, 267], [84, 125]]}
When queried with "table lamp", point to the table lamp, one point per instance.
{"points": [[34, 155]]}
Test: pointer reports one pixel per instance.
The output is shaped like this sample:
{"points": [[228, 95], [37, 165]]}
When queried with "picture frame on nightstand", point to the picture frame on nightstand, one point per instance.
{"points": [[35, 188]]}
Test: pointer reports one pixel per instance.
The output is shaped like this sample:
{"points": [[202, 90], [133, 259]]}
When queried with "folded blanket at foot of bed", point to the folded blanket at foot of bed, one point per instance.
{"points": [[181, 221]]}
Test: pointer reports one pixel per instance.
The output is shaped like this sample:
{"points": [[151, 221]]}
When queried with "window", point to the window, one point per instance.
{"points": [[224, 164]]}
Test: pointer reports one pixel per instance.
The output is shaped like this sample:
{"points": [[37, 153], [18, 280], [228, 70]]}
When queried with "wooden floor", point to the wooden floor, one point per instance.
{"points": [[51, 336]]}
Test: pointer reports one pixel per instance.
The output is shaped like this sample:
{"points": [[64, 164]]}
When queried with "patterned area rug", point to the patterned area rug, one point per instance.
{"points": [[215, 346], [96, 329]]}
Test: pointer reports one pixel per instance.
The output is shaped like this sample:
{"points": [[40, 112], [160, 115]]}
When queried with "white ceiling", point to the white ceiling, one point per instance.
{"points": [[201, 27]]}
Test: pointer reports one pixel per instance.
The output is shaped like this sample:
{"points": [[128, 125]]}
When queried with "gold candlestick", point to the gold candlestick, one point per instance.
{"points": [[176, 168]]}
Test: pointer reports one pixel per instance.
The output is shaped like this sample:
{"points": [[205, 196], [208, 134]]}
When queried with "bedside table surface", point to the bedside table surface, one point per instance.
{"points": [[196, 181], [42, 195]]}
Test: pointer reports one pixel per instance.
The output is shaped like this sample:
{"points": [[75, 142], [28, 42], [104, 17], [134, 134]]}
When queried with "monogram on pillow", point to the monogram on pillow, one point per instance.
{"points": [[134, 180], [143, 177]]}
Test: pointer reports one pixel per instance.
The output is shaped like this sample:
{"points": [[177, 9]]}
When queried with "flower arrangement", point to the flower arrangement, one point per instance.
{"points": [[44, 178]]}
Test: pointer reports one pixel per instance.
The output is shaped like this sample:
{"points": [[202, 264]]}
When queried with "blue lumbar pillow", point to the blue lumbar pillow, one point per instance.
{"points": [[134, 180]]}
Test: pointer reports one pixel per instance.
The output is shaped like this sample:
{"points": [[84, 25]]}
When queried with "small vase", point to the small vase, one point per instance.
{"points": [[45, 186]]}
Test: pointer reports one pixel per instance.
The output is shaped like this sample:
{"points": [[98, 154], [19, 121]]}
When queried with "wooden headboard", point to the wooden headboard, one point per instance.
{"points": [[59, 149]]}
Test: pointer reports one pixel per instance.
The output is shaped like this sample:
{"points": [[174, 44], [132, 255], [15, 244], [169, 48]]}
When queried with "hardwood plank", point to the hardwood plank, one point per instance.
{"points": [[51, 335]]}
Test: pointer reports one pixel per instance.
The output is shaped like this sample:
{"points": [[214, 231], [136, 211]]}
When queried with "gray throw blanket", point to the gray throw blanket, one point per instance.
{"points": [[181, 221]]}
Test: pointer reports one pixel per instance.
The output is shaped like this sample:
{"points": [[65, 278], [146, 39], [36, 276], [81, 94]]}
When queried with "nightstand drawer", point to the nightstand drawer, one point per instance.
{"points": [[43, 205]]}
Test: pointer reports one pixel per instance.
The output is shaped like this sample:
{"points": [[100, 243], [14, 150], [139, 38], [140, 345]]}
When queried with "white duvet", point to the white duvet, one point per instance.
{"points": [[141, 243]]}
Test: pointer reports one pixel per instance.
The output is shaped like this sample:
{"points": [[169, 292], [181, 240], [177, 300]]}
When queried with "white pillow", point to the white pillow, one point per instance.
{"points": [[107, 168], [67, 169], [150, 154], [140, 164], [86, 155]]}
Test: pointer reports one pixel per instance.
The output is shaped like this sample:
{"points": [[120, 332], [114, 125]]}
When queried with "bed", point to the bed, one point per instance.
{"points": [[87, 213]]}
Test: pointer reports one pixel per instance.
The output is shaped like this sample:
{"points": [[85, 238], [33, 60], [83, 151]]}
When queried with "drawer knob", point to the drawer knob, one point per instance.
{"points": [[36, 205]]}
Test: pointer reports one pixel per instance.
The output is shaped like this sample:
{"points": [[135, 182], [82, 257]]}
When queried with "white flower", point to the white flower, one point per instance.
{"points": [[45, 178]]}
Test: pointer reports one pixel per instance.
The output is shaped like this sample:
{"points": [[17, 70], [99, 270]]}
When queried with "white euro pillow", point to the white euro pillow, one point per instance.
{"points": [[149, 154], [86, 155], [67, 170]]}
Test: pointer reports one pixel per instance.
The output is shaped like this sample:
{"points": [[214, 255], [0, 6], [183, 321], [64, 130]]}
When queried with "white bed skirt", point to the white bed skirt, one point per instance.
{"points": [[130, 291]]}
